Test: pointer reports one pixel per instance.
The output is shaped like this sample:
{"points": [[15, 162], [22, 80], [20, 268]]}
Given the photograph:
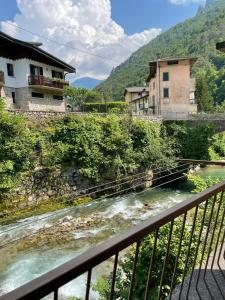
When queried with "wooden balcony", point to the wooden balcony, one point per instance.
{"points": [[42, 82], [2, 78]]}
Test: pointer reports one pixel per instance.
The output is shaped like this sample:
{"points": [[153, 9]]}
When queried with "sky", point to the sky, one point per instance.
{"points": [[93, 35]]}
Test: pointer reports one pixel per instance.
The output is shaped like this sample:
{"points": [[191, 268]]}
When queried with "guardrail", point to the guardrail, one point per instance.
{"points": [[185, 240]]}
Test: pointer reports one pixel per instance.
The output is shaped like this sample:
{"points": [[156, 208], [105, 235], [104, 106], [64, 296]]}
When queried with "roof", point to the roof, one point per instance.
{"points": [[135, 89], [193, 59], [153, 64], [16, 49], [142, 97], [221, 46]]}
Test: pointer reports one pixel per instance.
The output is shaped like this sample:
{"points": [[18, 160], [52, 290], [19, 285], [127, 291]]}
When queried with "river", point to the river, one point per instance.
{"points": [[101, 220]]}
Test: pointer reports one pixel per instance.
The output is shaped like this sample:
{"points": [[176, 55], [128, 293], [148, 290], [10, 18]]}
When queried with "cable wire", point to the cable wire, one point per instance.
{"points": [[98, 191], [33, 234], [105, 196], [68, 46]]}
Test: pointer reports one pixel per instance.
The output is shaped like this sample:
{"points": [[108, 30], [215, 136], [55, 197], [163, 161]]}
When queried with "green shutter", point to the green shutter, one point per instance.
{"points": [[166, 93], [166, 76]]}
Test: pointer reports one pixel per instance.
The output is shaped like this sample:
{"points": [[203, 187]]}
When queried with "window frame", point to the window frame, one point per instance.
{"points": [[10, 72], [54, 97], [167, 90], [166, 76], [36, 93]]}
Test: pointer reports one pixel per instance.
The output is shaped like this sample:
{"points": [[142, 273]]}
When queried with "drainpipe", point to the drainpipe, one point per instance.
{"points": [[159, 87]]}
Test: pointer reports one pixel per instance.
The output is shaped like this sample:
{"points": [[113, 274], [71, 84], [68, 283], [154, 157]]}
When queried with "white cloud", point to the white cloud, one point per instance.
{"points": [[181, 2], [83, 24]]}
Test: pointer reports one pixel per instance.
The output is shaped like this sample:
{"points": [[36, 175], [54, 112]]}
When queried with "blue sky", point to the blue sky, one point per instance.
{"points": [[108, 33], [137, 15]]}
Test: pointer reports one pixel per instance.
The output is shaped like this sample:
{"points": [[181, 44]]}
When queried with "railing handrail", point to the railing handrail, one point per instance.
{"points": [[49, 282]]}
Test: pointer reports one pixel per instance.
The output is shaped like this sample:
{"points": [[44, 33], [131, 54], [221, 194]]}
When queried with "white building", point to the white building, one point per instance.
{"points": [[138, 100], [30, 78]]}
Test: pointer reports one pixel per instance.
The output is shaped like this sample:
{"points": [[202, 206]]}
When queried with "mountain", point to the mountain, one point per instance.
{"points": [[194, 37], [86, 82]]}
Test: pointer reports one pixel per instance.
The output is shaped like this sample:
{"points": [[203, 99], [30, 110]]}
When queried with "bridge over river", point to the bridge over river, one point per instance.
{"points": [[217, 119]]}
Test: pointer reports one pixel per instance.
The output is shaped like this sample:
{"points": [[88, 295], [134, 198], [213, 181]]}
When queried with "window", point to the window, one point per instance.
{"points": [[165, 76], [36, 70], [57, 97], [165, 93], [14, 97], [172, 62], [10, 70], [37, 95], [57, 74]]}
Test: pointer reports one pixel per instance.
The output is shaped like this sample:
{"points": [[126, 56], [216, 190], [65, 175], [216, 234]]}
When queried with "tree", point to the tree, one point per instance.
{"points": [[75, 96], [203, 96]]}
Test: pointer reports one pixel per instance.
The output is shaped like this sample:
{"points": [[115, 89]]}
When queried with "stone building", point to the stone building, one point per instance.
{"points": [[172, 88], [30, 78], [138, 100]]}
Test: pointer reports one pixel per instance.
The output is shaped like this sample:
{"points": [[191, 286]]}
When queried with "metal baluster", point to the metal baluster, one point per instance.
{"points": [[147, 290], [178, 255], [165, 260], [210, 247], [204, 245], [88, 285], [114, 276], [188, 251], [134, 271], [197, 248], [56, 294], [218, 259]]}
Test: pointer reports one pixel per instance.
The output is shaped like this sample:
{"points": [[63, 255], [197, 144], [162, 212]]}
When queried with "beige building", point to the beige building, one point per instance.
{"points": [[172, 88], [138, 99]]}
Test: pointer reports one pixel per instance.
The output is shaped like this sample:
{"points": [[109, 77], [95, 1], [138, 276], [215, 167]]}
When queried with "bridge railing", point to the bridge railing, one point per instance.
{"points": [[176, 242]]}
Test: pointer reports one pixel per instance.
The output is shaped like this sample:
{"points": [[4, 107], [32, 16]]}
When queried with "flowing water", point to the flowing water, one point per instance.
{"points": [[101, 220]]}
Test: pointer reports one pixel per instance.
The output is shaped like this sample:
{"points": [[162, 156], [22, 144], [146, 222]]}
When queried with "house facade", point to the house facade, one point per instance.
{"points": [[172, 88], [138, 100], [30, 78]]}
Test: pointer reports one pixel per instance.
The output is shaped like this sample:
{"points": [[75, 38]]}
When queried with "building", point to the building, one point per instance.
{"points": [[172, 88], [138, 99], [30, 78]]}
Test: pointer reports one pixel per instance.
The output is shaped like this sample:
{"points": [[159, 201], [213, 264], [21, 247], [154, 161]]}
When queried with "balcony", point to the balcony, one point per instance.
{"points": [[43, 82], [176, 255], [2, 79]]}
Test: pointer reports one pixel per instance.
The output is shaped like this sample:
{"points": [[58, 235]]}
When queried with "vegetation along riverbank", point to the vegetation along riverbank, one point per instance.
{"points": [[45, 163]]}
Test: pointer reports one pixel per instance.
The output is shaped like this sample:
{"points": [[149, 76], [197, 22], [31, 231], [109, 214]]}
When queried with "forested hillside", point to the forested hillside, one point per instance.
{"points": [[195, 37]]}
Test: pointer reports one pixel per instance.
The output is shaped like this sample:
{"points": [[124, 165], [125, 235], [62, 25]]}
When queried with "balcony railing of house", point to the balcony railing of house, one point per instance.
{"points": [[2, 78], [40, 80], [176, 254]]}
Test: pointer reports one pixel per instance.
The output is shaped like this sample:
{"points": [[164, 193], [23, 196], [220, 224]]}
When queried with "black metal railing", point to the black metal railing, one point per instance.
{"points": [[47, 82], [174, 255]]}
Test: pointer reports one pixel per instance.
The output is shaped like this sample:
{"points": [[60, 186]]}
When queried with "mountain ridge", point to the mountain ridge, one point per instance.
{"points": [[194, 37], [86, 82]]}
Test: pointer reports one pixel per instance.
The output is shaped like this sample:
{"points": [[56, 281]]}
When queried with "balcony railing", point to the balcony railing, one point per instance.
{"points": [[39, 80], [2, 78], [184, 254]]}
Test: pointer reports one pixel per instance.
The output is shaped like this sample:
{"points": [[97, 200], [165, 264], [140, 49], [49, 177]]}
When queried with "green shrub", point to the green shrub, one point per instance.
{"points": [[101, 107]]}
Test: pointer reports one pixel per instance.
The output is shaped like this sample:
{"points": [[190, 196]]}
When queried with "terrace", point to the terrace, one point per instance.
{"points": [[42, 82]]}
